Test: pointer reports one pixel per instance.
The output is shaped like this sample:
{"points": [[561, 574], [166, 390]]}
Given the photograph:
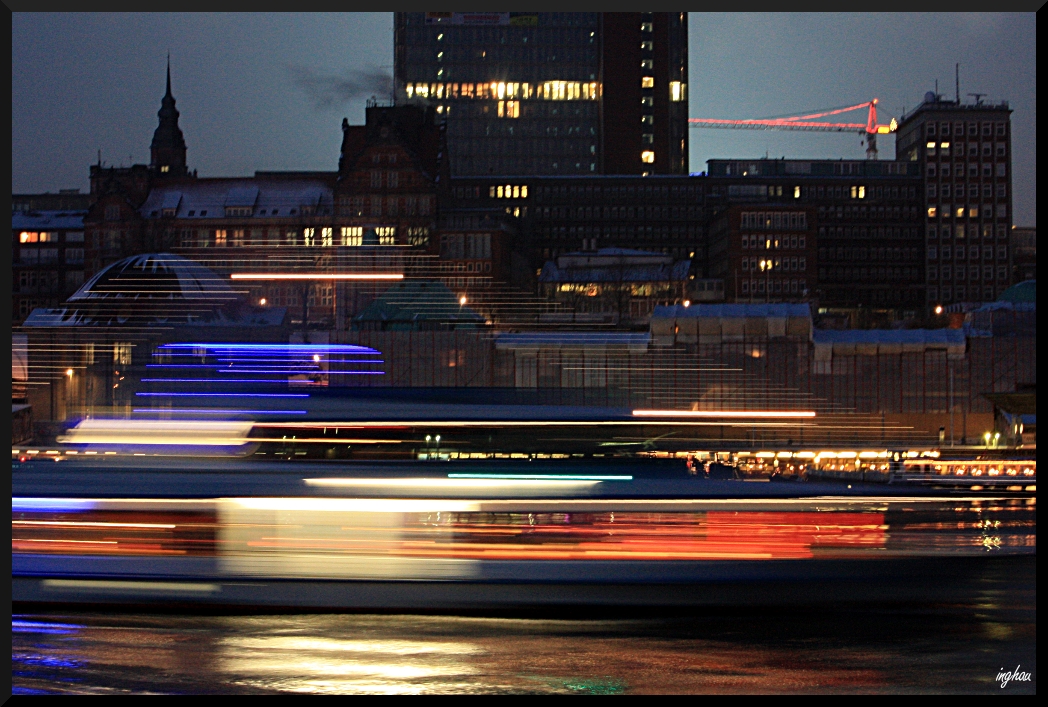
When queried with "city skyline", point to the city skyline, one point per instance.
{"points": [[273, 94]]}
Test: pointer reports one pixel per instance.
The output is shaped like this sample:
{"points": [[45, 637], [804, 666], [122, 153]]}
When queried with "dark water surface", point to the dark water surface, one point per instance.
{"points": [[956, 647]]}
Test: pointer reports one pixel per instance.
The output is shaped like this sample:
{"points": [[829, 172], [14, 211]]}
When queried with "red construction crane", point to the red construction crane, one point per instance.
{"points": [[869, 130]]}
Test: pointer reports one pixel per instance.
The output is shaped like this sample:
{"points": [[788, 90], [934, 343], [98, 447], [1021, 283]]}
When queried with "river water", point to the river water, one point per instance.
{"points": [[821, 648]]}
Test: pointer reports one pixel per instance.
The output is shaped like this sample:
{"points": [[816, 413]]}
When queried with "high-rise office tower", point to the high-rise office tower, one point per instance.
{"points": [[551, 93], [965, 154]]}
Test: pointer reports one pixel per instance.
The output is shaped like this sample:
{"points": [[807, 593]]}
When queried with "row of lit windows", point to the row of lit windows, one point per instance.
{"points": [[792, 287], [508, 191], [789, 264], [774, 219], [973, 252], [49, 237], [970, 211], [972, 230], [973, 191], [973, 128], [347, 236], [973, 170], [962, 273], [973, 149], [498, 90], [752, 240]]}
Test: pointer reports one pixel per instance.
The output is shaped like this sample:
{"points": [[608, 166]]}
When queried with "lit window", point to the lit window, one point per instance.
{"points": [[862, 192], [647, 119], [220, 238], [647, 82], [499, 192], [647, 27], [165, 168], [960, 212], [524, 192], [796, 192], [491, 192], [931, 212], [647, 157], [352, 235], [678, 91], [647, 64]]}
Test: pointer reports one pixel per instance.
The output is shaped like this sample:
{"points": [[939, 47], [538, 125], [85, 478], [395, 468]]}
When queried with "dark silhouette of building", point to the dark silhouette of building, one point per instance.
{"points": [[551, 93]]}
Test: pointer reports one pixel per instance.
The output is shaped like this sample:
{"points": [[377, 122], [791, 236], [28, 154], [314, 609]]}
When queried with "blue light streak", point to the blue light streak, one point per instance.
{"points": [[218, 411], [67, 505], [225, 395]]}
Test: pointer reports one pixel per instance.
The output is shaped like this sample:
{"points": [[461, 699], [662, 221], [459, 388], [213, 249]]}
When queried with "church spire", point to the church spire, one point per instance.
{"points": [[168, 149]]}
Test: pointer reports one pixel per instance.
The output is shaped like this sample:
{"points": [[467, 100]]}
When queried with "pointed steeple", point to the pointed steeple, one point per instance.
{"points": [[168, 149]]}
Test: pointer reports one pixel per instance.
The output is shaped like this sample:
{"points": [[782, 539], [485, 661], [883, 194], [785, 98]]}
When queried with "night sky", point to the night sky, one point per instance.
{"points": [[268, 91]]}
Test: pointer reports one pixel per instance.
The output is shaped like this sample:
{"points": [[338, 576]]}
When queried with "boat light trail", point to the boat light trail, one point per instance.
{"points": [[757, 414], [316, 276], [217, 411], [504, 483], [565, 477], [226, 395]]}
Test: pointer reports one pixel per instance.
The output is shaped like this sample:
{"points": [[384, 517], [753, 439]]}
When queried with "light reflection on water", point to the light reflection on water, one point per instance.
{"points": [[948, 648]]}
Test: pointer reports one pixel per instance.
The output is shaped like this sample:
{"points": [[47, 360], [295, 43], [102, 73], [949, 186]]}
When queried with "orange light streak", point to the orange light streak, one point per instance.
{"points": [[316, 276], [762, 414]]}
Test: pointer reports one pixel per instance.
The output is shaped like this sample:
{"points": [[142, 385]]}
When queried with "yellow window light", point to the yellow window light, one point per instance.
{"points": [[647, 82], [647, 157]]}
